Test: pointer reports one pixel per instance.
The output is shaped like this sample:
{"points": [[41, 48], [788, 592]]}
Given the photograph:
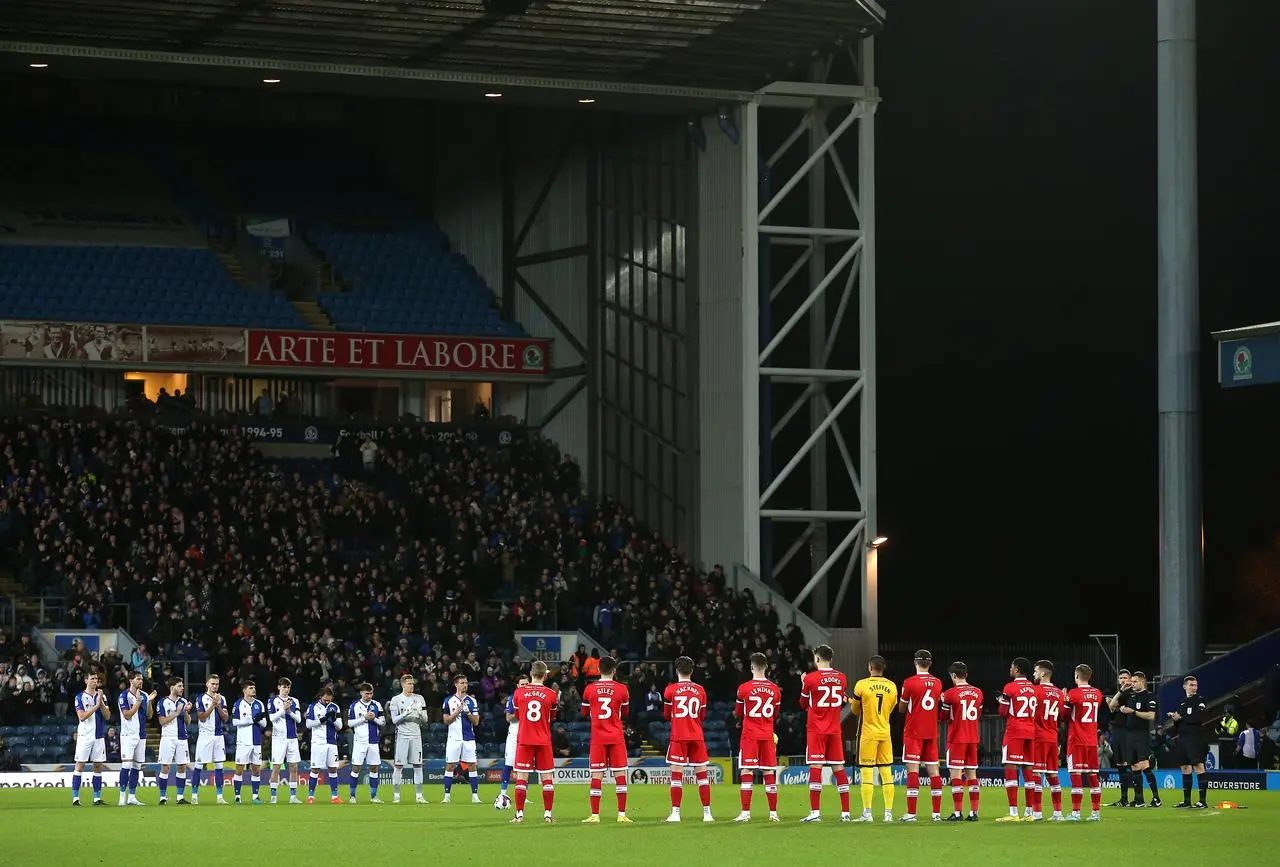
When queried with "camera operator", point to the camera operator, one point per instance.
{"points": [[1193, 745]]}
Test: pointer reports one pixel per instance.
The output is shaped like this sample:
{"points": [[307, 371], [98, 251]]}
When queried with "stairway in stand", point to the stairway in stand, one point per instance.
{"points": [[26, 609], [314, 315], [233, 266], [649, 750]]}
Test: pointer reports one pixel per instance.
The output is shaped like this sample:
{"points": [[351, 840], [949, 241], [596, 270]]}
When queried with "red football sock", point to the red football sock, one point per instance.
{"points": [[748, 778], [815, 789], [677, 790], [975, 794], [1077, 792], [935, 793], [704, 787], [620, 784], [1011, 785], [1035, 795], [771, 790], [1095, 792], [595, 797], [548, 795], [1055, 795], [522, 792], [913, 791], [957, 793], [842, 786]]}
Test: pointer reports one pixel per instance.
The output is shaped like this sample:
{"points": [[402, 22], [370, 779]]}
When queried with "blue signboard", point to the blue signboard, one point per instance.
{"points": [[1251, 360], [544, 647]]}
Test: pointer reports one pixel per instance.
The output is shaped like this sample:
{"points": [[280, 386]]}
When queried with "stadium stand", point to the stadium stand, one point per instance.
{"points": [[132, 285], [332, 574]]}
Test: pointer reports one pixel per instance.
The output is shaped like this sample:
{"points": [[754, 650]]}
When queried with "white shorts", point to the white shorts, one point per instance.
{"points": [[408, 750], [91, 749], [324, 756], [174, 751], [249, 754], [284, 751], [133, 750], [365, 754], [210, 748], [510, 758], [460, 751]]}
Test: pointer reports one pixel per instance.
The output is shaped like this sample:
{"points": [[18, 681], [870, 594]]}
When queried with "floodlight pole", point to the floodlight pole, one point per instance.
{"points": [[1178, 294], [841, 206]]}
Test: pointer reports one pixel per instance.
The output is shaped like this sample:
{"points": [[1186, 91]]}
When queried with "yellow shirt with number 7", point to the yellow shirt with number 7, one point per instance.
{"points": [[873, 700]]}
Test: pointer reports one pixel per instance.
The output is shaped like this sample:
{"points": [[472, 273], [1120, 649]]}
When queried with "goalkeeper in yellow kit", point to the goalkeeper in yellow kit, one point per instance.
{"points": [[872, 701]]}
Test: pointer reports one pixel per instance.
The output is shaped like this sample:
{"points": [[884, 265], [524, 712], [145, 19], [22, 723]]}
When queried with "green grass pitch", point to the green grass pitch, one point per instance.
{"points": [[46, 830]]}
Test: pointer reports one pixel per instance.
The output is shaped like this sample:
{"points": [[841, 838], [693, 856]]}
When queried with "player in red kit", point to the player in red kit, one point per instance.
{"points": [[759, 701], [1049, 701], [685, 704], [1083, 704], [607, 703], [822, 695], [962, 708], [1018, 707], [535, 705], [920, 699]]}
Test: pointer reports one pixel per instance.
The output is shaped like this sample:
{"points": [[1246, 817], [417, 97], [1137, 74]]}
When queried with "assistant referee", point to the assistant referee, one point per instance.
{"points": [[1192, 743]]}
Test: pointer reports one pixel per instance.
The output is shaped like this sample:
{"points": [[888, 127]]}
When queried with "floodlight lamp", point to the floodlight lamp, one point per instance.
{"points": [[725, 118], [693, 128], [877, 541]]}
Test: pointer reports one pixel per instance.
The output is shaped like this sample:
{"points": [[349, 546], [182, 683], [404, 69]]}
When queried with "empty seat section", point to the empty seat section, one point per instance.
{"points": [[134, 285], [407, 281]]}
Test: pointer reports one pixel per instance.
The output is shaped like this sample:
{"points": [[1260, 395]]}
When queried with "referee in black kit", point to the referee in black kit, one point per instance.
{"points": [[1192, 744], [1133, 709]]}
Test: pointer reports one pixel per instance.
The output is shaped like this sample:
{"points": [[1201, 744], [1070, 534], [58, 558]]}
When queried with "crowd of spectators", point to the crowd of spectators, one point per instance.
{"points": [[426, 558]]}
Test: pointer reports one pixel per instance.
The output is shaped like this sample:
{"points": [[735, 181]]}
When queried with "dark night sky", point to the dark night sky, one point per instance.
{"points": [[1017, 311]]}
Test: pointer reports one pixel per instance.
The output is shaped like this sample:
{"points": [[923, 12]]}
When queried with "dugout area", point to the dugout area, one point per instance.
{"points": [[681, 196]]}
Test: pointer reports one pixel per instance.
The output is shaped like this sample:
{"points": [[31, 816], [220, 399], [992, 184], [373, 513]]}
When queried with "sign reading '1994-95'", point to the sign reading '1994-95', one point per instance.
{"points": [[401, 353]]}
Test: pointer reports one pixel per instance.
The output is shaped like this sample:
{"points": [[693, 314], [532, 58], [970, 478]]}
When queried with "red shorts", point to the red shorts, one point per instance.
{"points": [[608, 757], [824, 749], [962, 757], [1018, 751], [920, 751], [1082, 758], [534, 757], [687, 753], [1046, 757], [758, 753]]}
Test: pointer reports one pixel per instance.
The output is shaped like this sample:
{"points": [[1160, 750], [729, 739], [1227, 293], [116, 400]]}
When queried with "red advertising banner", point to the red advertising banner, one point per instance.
{"points": [[400, 353]]}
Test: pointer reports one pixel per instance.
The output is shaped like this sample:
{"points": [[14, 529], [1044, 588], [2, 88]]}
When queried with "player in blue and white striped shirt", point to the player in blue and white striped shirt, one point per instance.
{"points": [[503, 802], [325, 720], [91, 738], [285, 714], [249, 716], [365, 718], [173, 714], [462, 715], [135, 707]]}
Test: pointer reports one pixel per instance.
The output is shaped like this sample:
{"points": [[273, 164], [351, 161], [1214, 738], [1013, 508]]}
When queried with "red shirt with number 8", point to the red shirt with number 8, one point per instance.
{"points": [[535, 706]]}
